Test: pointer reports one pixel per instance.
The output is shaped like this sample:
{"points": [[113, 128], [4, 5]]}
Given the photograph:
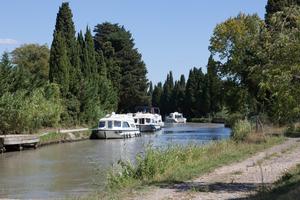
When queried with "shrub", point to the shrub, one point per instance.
{"points": [[21, 112], [241, 130], [233, 118], [200, 120], [292, 131]]}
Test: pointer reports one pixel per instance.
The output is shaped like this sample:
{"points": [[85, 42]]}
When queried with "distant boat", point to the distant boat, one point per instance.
{"points": [[175, 117], [116, 126], [148, 119]]}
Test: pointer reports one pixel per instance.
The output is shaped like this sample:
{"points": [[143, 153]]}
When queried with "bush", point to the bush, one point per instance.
{"points": [[241, 130], [200, 120], [233, 118], [292, 131], [21, 112]]}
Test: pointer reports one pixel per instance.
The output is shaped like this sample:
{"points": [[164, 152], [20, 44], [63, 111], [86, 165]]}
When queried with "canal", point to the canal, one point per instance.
{"points": [[74, 169]]}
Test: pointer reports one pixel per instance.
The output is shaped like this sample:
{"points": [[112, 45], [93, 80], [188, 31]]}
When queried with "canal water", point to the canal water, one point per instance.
{"points": [[74, 169]]}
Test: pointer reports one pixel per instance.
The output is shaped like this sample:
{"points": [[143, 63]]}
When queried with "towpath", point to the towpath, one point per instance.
{"points": [[235, 181]]}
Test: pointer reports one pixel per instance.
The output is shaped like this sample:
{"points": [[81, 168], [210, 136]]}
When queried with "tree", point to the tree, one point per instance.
{"points": [[156, 95], [6, 70], [274, 6], [59, 64], [167, 105], [196, 94], [34, 59], [238, 44], [133, 81], [214, 84], [64, 62]]}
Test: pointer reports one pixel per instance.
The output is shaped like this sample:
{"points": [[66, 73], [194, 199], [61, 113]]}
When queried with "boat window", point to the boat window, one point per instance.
{"points": [[125, 125], [148, 120], [132, 125], [101, 124], [135, 121], [117, 123], [178, 116], [109, 124], [142, 121]]}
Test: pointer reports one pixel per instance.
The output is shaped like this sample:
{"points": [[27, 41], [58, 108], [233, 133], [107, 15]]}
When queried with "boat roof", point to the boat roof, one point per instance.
{"points": [[147, 109], [120, 117], [143, 115], [175, 113]]}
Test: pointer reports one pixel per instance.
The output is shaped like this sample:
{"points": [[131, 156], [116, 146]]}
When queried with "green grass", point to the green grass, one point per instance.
{"points": [[286, 188], [177, 163], [54, 137]]}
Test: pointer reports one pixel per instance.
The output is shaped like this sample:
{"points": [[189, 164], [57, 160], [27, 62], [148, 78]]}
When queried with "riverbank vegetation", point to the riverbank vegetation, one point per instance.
{"points": [[57, 137], [177, 163], [253, 71]]}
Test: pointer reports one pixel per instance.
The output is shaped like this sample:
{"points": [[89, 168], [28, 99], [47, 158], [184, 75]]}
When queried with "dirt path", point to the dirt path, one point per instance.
{"points": [[235, 181]]}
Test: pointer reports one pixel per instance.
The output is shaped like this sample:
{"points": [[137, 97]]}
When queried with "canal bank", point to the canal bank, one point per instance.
{"points": [[80, 168]]}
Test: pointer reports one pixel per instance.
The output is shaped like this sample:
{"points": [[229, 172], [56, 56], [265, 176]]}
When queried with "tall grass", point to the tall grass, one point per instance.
{"points": [[179, 163], [241, 130]]}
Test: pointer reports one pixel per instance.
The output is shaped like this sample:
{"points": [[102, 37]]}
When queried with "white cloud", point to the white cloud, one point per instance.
{"points": [[8, 42]]}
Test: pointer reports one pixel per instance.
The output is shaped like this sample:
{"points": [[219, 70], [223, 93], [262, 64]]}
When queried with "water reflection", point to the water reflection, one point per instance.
{"points": [[70, 169]]}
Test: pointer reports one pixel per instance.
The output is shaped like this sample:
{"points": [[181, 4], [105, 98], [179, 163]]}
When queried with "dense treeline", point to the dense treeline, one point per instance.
{"points": [[253, 70], [81, 78], [200, 96], [257, 72]]}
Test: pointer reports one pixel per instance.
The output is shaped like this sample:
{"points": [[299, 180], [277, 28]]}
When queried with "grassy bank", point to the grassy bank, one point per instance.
{"points": [[55, 137], [286, 188], [177, 163]]}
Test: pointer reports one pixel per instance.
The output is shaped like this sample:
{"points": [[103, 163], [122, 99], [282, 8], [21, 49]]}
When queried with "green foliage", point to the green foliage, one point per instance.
{"points": [[156, 95], [292, 131], [232, 118], [274, 6], [132, 70], [179, 163], [59, 64], [166, 103], [241, 130], [196, 94], [33, 58], [24, 113]]}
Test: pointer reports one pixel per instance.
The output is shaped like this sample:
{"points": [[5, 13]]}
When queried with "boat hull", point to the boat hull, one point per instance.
{"points": [[149, 128], [115, 134]]}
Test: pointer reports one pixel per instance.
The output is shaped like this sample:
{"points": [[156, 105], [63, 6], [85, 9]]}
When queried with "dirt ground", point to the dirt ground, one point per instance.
{"points": [[235, 181]]}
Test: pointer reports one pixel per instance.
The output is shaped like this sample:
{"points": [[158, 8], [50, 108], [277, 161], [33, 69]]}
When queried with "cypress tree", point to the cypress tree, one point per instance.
{"points": [[167, 105], [68, 62], [196, 94], [156, 95], [59, 64], [214, 85]]}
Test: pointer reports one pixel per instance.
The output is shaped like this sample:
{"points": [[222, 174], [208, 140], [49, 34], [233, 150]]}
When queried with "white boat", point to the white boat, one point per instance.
{"points": [[175, 117], [148, 118], [116, 126], [147, 122]]}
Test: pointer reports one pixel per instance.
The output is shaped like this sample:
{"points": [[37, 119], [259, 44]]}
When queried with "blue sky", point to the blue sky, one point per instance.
{"points": [[170, 34]]}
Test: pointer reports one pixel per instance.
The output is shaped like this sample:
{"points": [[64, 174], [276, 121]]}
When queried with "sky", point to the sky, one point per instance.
{"points": [[170, 34]]}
